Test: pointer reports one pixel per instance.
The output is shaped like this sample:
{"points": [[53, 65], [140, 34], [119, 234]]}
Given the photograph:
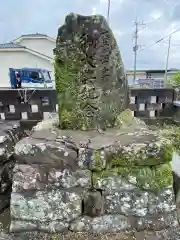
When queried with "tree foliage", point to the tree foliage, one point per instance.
{"points": [[175, 80]]}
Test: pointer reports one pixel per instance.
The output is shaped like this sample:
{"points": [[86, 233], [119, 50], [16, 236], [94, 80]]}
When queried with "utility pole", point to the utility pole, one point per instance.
{"points": [[167, 60], [108, 11], [136, 46]]}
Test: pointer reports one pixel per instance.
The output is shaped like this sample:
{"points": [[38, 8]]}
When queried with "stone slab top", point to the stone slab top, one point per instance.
{"points": [[117, 147], [95, 139]]}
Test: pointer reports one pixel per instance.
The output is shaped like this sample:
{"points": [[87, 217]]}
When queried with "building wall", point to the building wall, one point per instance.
{"points": [[130, 76], [20, 59], [41, 45], [157, 75]]}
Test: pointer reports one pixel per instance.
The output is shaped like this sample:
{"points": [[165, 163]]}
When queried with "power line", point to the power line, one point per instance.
{"points": [[159, 40], [136, 46], [172, 44]]}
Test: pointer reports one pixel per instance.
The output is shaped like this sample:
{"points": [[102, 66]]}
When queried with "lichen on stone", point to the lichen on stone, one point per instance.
{"points": [[91, 85], [147, 178], [124, 118], [142, 154], [172, 133], [98, 160]]}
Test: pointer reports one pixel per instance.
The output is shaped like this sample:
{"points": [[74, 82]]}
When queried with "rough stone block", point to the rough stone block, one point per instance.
{"points": [[145, 148], [49, 227], [114, 148], [126, 150], [157, 223], [6, 174], [169, 234], [127, 203], [68, 179], [46, 206], [41, 177], [100, 93], [145, 178], [10, 134], [29, 177], [5, 200], [43, 151], [103, 224], [110, 182], [162, 201], [66, 236], [140, 203], [93, 204]]}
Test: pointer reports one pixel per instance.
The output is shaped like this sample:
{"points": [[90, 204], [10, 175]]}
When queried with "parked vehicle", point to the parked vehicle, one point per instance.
{"points": [[30, 78]]}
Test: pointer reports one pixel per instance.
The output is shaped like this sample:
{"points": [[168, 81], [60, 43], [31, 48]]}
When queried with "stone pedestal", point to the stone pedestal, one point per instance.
{"points": [[91, 182]]}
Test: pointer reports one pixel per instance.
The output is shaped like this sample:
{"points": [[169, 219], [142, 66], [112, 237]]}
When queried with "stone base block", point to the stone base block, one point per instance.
{"points": [[45, 207], [44, 177]]}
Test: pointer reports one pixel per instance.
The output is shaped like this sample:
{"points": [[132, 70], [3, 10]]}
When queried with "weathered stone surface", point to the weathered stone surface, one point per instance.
{"points": [[49, 227], [127, 203], [6, 173], [29, 177], [5, 200], [140, 203], [161, 202], [158, 222], [172, 132], [46, 206], [10, 134], [5, 236], [68, 179], [41, 177], [93, 204], [106, 223], [91, 186], [66, 236], [90, 80], [157, 177], [125, 149], [5, 183], [169, 234], [111, 182], [114, 148], [41, 151]]}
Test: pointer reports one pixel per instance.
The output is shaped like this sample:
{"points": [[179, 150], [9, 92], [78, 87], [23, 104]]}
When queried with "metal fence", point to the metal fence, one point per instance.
{"points": [[35, 104]]}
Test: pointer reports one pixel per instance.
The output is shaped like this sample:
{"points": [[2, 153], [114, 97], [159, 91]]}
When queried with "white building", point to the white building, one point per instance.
{"points": [[33, 51], [147, 75]]}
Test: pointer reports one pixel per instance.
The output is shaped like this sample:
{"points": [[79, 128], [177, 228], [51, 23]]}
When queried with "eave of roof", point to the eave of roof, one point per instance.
{"points": [[34, 36], [16, 47], [10, 45], [153, 71]]}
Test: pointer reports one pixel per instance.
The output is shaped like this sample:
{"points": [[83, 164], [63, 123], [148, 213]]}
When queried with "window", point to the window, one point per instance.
{"points": [[25, 74], [148, 75], [46, 76], [34, 75]]}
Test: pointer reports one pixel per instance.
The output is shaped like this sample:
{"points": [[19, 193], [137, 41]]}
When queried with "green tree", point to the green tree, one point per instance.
{"points": [[175, 80]]}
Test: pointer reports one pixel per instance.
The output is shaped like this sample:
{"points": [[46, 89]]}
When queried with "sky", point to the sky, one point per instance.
{"points": [[161, 17]]}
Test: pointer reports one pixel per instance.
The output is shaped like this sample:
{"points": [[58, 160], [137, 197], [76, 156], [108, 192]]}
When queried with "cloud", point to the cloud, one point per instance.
{"points": [[155, 15], [161, 18]]}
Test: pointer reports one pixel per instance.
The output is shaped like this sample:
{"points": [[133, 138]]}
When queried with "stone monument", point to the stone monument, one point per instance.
{"points": [[114, 177], [91, 84]]}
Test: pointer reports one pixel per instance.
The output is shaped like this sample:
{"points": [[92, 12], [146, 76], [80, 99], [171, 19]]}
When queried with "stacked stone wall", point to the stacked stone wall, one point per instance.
{"points": [[10, 134], [96, 183]]}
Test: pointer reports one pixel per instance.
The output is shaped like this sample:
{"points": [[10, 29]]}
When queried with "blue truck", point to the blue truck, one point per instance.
{"points": [[30, 78]]}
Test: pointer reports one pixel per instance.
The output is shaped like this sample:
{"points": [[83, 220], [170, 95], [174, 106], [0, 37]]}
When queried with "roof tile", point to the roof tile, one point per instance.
{"points": [[10, 45]]}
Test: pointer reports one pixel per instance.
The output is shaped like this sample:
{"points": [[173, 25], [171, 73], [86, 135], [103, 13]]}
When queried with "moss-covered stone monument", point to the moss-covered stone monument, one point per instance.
{"points": [[90, 80], [101, 170]]}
